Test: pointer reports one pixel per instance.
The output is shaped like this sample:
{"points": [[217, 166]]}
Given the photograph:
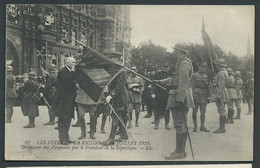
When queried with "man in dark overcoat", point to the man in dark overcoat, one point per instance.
{"points": [[64, 99]]}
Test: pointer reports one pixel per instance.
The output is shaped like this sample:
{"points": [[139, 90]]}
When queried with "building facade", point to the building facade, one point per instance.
{"points": [[40, 34]]}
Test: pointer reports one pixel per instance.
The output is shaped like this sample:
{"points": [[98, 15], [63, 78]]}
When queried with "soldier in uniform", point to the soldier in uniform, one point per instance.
{"points": [[221, 93], [86, 104], [161, 97], [147, 94], [10, 93], [118, 98], [232, 95], [135, 89], [49, 90], [64, 99], [238, 87], [180, 98], [200, 90], [249, 92], [30, 99]]}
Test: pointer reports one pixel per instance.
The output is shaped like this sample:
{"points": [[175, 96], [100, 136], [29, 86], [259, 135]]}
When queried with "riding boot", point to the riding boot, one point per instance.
{"points": [[136, 119], [179, 152], [156, 125], [31, 123], [238, 113], [222, 122], [202, 125], [92, 127], [83, 128], [104, 118], [123, 132], [231, 116], [228, 117], [51, 117], [194, 117], [111, 139]]}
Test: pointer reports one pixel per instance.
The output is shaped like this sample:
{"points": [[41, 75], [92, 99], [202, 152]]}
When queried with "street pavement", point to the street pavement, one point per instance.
{"points": [[41, 143]]}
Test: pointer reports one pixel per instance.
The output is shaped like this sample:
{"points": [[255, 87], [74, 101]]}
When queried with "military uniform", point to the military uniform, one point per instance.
{"points": [[30, 99], [238, 87], [249, 92], [118, 99], [180, 99], [10, 94], [232, 95], [200, 88], [49, 91], [86, 104], [135, 89], [147, 96], [221, 95]]}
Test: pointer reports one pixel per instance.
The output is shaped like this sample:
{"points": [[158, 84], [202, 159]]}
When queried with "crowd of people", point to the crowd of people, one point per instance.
{"points": [[129, 92]]}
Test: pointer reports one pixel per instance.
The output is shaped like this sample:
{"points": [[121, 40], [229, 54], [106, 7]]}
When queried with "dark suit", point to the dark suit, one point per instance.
{"points": [[64, 101]]}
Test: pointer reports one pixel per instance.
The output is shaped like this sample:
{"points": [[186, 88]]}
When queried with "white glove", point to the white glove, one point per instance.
{"points": [[108, 98], [153, 96], [149, 86], [136, 89], [41, 95]]}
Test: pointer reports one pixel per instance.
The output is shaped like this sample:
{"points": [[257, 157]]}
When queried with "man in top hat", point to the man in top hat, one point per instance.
{"points": [[238, 87], [64, 100], [135, 89], [200, 88], [180, 98], [221, 93], [10, 93], [49, 90], [249, 92], [232, 95]]}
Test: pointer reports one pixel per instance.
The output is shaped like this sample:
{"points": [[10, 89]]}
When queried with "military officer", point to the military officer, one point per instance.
{"points": [[249, 92], [238, 87], [118, 98], [180, 98], [135, 89], [200, 90], [49, 90], [221, 93], [30, 99], [10, 93], [232, 95]]}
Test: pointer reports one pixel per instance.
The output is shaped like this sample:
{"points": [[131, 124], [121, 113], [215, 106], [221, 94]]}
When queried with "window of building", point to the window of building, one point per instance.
{"points": [[73, 37], [84, 25], [75, 22], [65, 18]]}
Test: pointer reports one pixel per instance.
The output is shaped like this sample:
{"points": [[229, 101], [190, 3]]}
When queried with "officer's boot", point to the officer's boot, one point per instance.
{"points": [[111, 139], [238, 113], [123, 133], [31, 123], [136, 119], [92, 127], [222, 122], [202, 125], [194, 117], [130, 120], [51, 117], [228, 117], [83, 128], [156, 124], [231, 116], [167, 119], [249, 109], [183, 153], [104, 118], [180, 146]]}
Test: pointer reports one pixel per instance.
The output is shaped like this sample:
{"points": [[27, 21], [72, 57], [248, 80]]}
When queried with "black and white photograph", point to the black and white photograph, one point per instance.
{"points": [[92, 82]]}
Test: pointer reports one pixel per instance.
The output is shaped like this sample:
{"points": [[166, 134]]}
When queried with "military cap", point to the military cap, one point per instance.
{"points": [[52, 66], [9, 68], [229, 70], [181, 47], [32, 74], [237, 73], [220, 62]]}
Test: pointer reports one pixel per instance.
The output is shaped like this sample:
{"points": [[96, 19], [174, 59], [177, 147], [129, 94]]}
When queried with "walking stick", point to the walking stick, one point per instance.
{"points": [[46, 102], [113, 110], [188, 136]]}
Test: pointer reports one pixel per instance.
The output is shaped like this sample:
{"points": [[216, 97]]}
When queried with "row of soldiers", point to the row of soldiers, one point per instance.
{"points": [[185, 90]]}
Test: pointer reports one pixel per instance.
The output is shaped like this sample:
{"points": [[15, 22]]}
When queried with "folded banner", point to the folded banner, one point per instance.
{"points": [[95, 72]]}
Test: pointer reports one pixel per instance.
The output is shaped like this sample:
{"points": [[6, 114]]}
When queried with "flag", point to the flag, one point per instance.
{"points": [[210, 50], [95, 71]]}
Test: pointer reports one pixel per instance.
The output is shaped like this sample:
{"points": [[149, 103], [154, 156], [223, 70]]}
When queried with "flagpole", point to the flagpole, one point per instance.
{"points": [[108, 59]]}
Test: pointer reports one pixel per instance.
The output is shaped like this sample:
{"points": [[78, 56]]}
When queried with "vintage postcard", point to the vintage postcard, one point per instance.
{"points": [[129, 83]]}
